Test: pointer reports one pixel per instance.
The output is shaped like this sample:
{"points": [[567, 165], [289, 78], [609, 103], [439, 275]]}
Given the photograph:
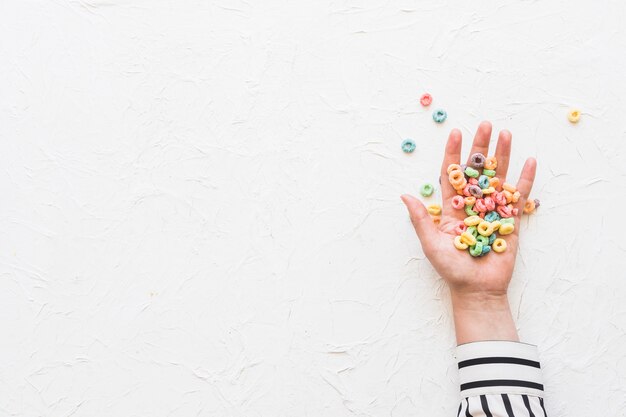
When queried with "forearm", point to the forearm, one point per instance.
{"points": [[482, 317]]}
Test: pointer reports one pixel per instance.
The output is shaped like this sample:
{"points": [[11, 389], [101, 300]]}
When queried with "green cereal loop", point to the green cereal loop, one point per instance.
{"points": [[427, 190], [408, 146], [506, 220], [469, 211], [471, 172], [489, 172], [476, 250], [482, 239], [472, 231]]}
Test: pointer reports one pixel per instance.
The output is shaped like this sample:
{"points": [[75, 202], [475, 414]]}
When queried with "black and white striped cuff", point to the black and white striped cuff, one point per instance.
{"points": [[499, 367]]}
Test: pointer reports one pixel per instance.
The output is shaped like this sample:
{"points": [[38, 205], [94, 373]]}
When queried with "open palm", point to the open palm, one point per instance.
{"points": [[487, 275]]}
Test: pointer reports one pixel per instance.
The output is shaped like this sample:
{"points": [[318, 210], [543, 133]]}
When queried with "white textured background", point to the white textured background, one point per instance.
{"points": [[200, 202]]}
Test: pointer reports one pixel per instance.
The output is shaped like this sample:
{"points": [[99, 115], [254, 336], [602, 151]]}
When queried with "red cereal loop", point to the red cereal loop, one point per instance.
{"points": [[426, 99]]}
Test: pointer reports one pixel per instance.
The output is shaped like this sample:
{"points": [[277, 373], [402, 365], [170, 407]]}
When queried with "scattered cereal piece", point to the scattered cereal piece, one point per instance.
{"points": [[426, 99], [427, 190], [573, 115], [440, 116], [408, 146]]}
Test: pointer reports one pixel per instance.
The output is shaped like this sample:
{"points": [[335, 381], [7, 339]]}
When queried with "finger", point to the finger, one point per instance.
{"points": [[524, 186], [481, 140], [423, 224], [452, 155], [503, 154]]}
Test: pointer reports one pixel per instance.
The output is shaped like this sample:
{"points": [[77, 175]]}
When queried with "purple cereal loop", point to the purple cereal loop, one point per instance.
{"points": [[537, 203], [475, 191], [477, 160]]}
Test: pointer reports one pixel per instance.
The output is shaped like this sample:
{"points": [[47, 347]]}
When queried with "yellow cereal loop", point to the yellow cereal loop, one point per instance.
{"points": [[499, 245], [489, 190], [472, 220], [506, 229], [458, 244], [485, 228], [573, 115], [516, 196], [469, 201], [496, 225], [434, 209], [468, 239], [508, 195]]}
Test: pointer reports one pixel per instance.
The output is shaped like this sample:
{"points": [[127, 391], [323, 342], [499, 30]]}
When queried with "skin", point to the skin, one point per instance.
{"points": [[478, 286]]}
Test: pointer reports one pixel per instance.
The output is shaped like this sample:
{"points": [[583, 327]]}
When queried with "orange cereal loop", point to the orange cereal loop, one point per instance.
{"points": [[508, 195], [508, 187], [494, 182], [455, 175], [516, 196], [436, 220], [491, 163], [453, 167], [529, 206]]}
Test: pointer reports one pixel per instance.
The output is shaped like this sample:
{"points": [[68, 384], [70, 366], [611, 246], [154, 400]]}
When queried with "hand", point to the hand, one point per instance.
{"points": [[478, 285]]}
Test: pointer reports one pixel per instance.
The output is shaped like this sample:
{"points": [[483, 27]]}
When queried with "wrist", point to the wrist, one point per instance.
{"points": [[482, 316]]}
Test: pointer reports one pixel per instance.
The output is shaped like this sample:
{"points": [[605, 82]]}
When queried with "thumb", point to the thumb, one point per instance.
{"points": [[423, 224]]}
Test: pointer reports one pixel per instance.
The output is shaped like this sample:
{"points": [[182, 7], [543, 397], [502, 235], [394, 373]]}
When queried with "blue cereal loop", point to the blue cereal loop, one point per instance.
{"points": [[492, 238], [486, 250], [492, 216], [440, 115], [483, 181], [408, 146]]}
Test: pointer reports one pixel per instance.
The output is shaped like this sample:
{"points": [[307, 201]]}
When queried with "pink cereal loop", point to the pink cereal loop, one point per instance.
{"points": [[504, 211], [458, 202], [480, 205], [466, 191], [490, 204], [473, 181], [499, 198], [460, 228]]}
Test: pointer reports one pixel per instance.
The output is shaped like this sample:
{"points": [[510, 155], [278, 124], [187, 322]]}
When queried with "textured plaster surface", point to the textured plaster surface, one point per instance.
{"points": [[200, 202]]}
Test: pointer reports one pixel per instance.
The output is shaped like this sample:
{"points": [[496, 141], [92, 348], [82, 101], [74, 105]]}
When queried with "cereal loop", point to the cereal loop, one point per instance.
{"points": [[459, 244], [499, 245], [458, 202], [477, 160], [434, 209], [491, 163]]}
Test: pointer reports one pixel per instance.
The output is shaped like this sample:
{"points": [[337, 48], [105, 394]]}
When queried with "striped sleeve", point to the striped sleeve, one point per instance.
{"points": [[500, 379]]}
